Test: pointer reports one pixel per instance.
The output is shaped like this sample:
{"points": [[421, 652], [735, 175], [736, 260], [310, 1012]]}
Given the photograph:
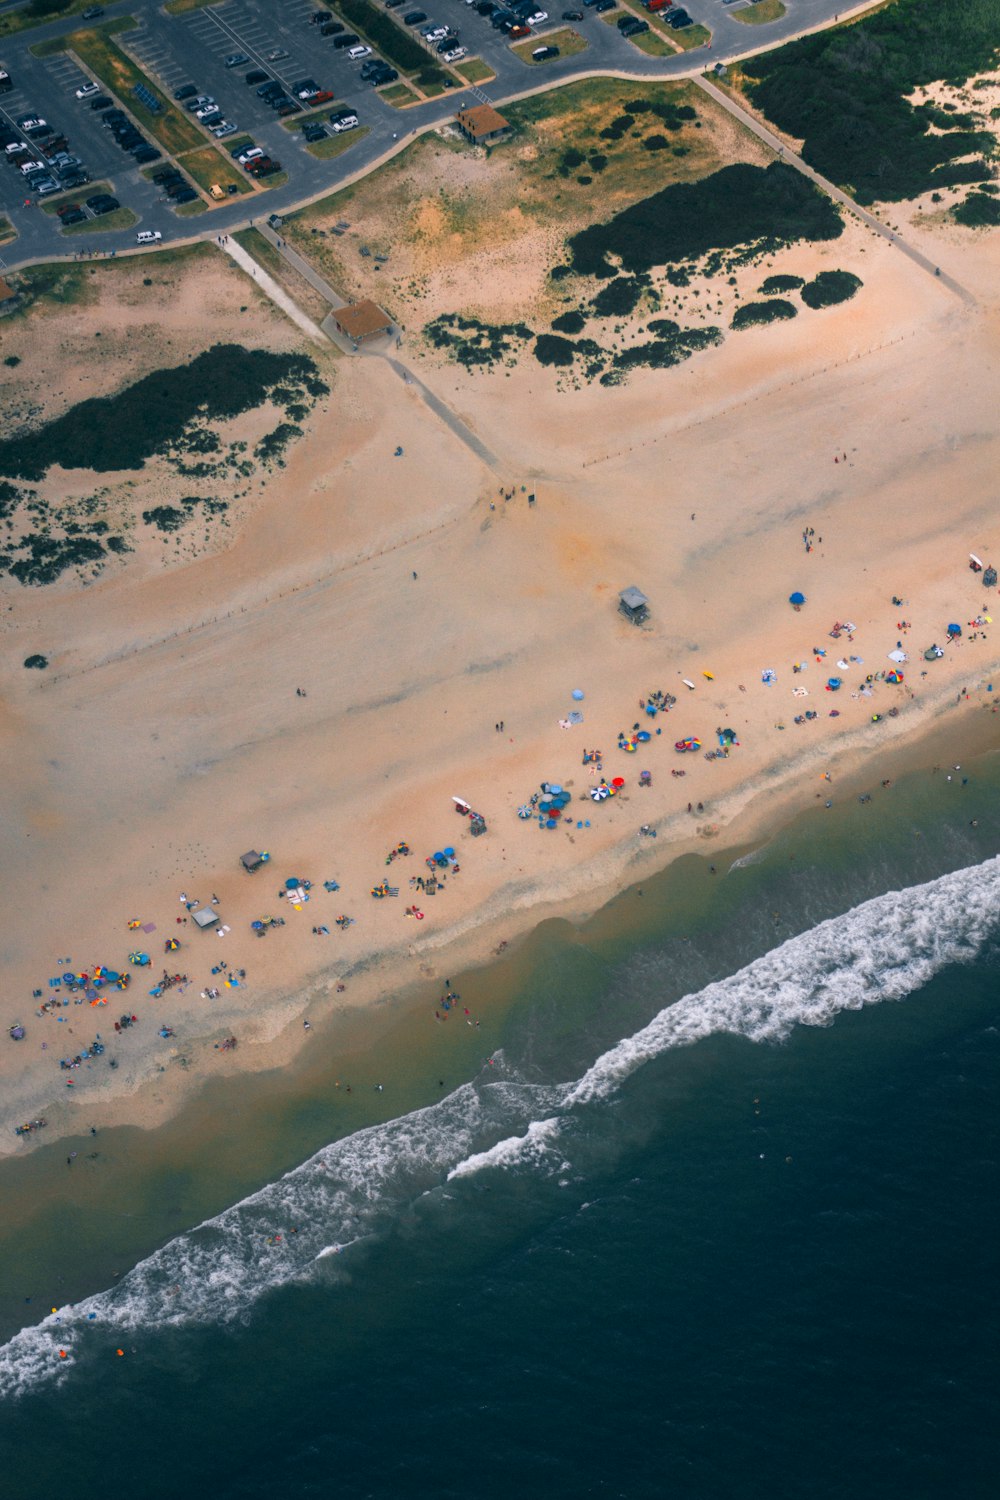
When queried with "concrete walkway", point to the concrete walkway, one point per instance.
{"points": [[844, 199], [271, 289]]}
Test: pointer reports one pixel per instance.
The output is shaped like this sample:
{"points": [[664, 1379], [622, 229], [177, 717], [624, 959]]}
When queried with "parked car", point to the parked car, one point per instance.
{"points": [[148, 237], [455, 55], [105, 206], [198, 102], [288, 107], [538, 18], [101, 102], [603, 6], [313, 133], [236, 59], [146, 153], [347, 122], [519, 31], [305, 88], [318, 16], [226, 128], [572, 15], [249, 153], [75, 216], [186, 195], [347, 39], [414, 17], [67, 208], [334, 28], [75, 180], [543, 54], [257, 75], [358, 52], [323, 97], [187, 91], [88, 90]]}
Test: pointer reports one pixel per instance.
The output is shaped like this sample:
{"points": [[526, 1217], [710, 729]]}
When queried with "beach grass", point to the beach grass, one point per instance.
{"points": [[568, 41], [761, 13], [207, 166], [118, 218]]}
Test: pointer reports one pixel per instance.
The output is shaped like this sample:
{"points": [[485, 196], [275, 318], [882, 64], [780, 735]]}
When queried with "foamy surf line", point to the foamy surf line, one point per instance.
{"points": [[884, 949]]}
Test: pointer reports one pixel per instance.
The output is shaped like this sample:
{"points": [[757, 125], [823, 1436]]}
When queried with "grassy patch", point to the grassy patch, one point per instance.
{"points": [[399, 95], [474, 70], [863, 73], [209, 165], [762, 207], [119, 74], [761, 13], [568, 41], [653, 43], [113, 433], [7, 230], [397, 46], [188, 210], [692, 36], [335, 145], [118, 218], [72, 194], [473, 343]]}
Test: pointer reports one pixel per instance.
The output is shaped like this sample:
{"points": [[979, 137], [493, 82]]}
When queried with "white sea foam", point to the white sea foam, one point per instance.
{"points": [[354, 1189]]}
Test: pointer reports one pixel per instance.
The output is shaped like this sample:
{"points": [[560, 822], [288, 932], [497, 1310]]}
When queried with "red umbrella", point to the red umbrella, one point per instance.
{"points": [[619, 781]]}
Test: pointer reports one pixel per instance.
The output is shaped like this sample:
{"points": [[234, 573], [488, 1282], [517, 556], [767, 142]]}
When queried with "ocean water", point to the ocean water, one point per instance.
{"points": [[715, 1214]]}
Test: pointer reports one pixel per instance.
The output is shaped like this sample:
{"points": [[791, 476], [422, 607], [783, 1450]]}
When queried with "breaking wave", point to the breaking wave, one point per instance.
{"points": [[355, 1189]]}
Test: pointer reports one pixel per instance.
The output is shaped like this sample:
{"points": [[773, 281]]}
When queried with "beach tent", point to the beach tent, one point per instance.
{"points": [[633, 604], [898, 656], [205, 917], [833, 684], [990, 578], [954, 631], [252, 861], [933, 653]]}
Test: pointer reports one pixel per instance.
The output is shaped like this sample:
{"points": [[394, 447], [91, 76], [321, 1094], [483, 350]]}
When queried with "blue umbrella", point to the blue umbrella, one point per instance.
{"points": [[954, 630], [796, 598], [578, 694]]}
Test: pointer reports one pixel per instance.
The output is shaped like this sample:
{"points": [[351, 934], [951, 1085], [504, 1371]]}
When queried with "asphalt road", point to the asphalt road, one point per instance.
{"points": [[191, 48]]}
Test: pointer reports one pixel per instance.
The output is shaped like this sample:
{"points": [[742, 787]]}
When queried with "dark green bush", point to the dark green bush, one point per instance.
{"points": [[738, 205], [757, 314], [977, 211], [774, 284], [108, 433], [38, 661], [829, 288], [618, 298], [550, 349], [843, 92], [569, 322], [164, 517], [655, 143]]}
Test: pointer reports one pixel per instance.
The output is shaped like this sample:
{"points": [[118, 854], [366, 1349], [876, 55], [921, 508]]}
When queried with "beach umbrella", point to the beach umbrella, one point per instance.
{"points": [[796, 598], [954, 630], [578, 695], [449, 853], [554, 790], [550, 823], [643, 735], [618, 782], [833, 684], [629, 747], [524, 811]]}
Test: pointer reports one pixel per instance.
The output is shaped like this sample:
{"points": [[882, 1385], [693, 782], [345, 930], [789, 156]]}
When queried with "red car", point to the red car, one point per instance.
{"points": [[323, 97]]}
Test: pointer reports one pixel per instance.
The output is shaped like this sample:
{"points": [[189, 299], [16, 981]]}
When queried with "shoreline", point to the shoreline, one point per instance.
{"points": [[378, 980]]}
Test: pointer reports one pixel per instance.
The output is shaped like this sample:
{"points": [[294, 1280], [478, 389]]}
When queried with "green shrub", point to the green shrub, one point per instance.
{"points": [[37, 661], [618, 298], [12, 361], [977, 211], [757, 314], [569, 322], [164, 517], [550, 349], [108, 433], [655, 143], [738, 205], [843, 92], [829, 288], [774, 284]]}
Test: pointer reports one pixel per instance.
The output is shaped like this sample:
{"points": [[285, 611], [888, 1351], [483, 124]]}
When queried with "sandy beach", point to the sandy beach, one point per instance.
{"points": [[322, 676]]}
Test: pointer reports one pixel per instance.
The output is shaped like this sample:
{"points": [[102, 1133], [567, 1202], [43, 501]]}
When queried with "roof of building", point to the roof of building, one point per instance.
{"points": [[360, 319], [481, 120], [633, 598], [6, 291]]}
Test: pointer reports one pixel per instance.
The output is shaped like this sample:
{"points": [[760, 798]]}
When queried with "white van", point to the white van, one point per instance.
{"points": [[148, 237]]}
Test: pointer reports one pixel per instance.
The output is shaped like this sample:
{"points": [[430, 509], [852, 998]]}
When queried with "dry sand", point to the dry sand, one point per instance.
{"points": [[166, 737]]}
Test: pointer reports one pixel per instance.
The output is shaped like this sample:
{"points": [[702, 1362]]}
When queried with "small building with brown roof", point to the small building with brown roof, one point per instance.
{"points": [[481, 124], [361, 320]]}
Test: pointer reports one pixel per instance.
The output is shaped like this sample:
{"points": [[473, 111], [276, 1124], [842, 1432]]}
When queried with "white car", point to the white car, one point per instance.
{"points": [[434, 33], [455, 55], [148, 237], [253, 154], [537, 18], [88, 90], [33, 166], [357, 53], [277, 55], [350, 122], [221, 131]]}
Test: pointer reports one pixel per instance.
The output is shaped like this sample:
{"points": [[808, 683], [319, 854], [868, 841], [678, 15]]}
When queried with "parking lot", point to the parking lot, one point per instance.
{"points": [[215, 48]]}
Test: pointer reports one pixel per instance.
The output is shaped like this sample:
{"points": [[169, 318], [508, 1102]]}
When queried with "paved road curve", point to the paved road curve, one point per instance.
{"points": [[176, 52]]}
